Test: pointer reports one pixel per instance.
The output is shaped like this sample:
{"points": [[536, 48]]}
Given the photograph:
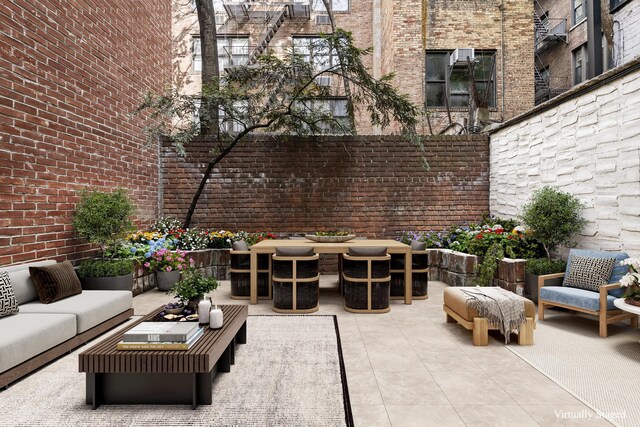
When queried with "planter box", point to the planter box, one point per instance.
{"points": [[118, 283], [460, 269], [210, 262]]}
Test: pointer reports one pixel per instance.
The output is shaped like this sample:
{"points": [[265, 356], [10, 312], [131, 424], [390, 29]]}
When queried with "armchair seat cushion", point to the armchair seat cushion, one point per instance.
{"points": [[575, 297]]}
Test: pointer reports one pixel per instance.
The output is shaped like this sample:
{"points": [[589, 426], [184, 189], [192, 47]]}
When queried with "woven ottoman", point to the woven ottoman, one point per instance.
{"points": [[457, 310]]}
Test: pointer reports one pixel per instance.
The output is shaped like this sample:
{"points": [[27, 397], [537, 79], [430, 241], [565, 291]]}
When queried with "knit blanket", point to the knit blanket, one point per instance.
{"points": [[500, 307]]}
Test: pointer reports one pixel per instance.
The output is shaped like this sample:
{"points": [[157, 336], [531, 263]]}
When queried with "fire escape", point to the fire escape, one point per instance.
{"points": [[269, 14], [548, 32]]}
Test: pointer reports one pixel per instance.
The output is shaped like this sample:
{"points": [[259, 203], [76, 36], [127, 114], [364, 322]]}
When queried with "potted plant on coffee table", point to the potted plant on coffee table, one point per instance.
{"points": [[192, 288], [103, 219]]}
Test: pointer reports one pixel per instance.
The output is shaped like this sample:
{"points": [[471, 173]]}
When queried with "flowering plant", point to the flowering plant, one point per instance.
{"points": [[190, 239], [220, 239], [165, 260], [631, 280]]}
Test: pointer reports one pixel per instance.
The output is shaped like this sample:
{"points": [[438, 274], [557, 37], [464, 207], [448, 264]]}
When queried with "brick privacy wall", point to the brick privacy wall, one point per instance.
{"points": [[587, 146], [373, 186], [452, 24], [69, 77]]}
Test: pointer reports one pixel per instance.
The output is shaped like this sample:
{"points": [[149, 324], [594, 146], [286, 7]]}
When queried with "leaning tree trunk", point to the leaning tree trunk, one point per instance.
{"points": [[210, 69]]}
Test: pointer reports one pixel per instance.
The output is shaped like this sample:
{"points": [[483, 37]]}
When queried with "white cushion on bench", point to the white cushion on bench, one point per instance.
{"points": [[90, 307], [24, 336]]}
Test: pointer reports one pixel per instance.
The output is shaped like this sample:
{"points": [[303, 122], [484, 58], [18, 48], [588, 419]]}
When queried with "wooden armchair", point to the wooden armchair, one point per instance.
{"points": [[596, 303]]}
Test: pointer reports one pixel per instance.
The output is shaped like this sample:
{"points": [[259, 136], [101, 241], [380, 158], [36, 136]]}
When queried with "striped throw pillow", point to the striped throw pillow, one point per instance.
{"points": [[55, 282]]}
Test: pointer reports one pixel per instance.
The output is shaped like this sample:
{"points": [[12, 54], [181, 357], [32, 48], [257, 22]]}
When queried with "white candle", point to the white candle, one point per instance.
{"points": [[203, 311], [215, 318]]}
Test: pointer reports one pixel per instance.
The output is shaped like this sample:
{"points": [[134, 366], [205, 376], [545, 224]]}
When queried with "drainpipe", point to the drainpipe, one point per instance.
{"points": [[501, 8]]}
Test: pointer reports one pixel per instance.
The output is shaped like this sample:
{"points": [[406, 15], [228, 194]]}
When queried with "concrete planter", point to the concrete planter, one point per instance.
{"points": [[166, 279], [117, 283]]}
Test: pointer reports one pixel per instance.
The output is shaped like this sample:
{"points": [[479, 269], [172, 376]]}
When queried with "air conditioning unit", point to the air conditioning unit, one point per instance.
{"points": [[323, 20], [461, 55], [323, 80]]}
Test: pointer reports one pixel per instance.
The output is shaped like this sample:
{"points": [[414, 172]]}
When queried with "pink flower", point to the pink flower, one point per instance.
{"points": [[169, 268], [147, 265], [191, 262], [180, 259], [179, 267]]}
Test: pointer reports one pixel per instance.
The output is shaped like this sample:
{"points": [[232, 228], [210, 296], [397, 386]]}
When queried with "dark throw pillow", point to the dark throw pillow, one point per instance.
{"points": [[55, 282], [295, 251], [589, 273], [368, 251], [8, 302]]}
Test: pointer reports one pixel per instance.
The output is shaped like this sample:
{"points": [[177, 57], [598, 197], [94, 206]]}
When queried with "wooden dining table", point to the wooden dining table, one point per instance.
{"points": [[269, 247]]}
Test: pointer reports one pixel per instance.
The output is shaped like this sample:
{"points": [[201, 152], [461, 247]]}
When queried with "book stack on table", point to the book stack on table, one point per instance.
{"points": [[161, 336]]}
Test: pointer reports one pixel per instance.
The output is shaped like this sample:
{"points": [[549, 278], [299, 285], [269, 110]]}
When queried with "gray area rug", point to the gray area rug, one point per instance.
{"points": [[604, 373], [290, 373]]}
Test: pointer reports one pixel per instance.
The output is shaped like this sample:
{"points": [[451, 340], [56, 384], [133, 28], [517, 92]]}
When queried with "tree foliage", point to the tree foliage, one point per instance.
{"points": [[282, 96], [554, 217], [103, 218]]}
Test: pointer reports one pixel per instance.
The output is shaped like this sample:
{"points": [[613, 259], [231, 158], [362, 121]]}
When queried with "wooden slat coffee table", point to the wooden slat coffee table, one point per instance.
{"points": [[163, 377]]}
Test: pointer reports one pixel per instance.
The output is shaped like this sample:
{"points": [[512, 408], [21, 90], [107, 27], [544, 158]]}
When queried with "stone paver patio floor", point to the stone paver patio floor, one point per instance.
{"points": [[410, 368]]}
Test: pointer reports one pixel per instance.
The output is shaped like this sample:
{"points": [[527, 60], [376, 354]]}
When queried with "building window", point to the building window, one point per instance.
{"points": [[450, 86], [580, 61], [232, 51], [229, 122], [316, 51], [615, 4], [579, 10], [196, 55], [336, 6], [335, 107]]}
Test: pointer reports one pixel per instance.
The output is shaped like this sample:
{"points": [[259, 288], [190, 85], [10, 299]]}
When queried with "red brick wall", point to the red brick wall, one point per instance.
{"points": [[69, 77], [371, 185]]}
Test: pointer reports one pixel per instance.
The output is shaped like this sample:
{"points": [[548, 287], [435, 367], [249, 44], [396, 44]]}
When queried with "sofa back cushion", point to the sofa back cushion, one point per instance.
{"points": [[8, 302], [616, 274], [21, 282], [55, 282]]}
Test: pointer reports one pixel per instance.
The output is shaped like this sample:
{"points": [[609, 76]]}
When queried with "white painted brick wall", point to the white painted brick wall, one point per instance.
{"points": [[588, 146], [626, 26]]}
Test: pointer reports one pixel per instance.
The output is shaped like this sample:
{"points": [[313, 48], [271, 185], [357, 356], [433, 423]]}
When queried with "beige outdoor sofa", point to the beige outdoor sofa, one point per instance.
{"points": [[40, 333]]}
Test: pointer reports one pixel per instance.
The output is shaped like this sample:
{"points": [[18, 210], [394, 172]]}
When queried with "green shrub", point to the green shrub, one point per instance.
{"points": [[490, 264], [192, 285], [105, 267], [103, 218], [553, 217], [542, 266]]}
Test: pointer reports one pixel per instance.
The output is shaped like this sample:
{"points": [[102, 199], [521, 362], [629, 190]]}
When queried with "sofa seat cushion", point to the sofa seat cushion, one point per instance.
{"points": [[25, 335], [575, 297], [90, 307]]}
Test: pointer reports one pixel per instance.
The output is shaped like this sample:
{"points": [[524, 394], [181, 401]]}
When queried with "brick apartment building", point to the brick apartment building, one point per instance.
{"points": [[562, 41], [426, 43]]}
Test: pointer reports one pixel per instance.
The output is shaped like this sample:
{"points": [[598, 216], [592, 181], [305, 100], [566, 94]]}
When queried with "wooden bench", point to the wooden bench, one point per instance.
{"points": [[457, 310], [163, 377]]}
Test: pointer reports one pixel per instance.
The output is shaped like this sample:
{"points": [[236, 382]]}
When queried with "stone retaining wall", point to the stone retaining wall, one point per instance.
{"points": [[460, 269]]}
